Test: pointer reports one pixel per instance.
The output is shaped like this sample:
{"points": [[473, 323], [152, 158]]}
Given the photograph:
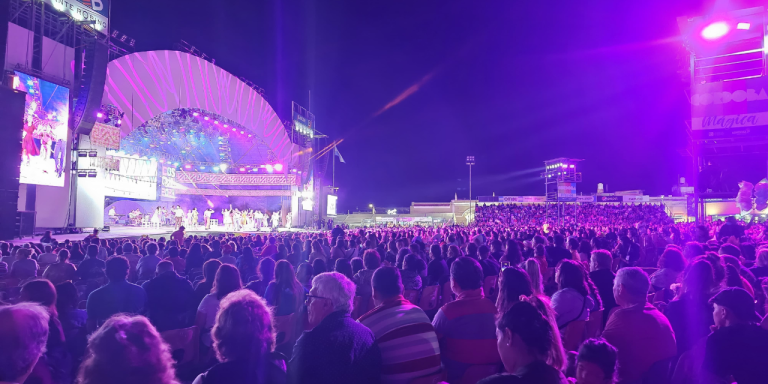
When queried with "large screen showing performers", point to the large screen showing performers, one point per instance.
{"points": [[44, 140]]}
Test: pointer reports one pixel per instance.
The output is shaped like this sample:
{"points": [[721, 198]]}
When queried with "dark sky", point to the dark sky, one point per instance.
{"points": [[511, 82]]}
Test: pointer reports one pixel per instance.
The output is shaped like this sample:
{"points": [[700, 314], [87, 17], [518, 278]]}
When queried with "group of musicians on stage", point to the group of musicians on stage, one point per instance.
{"points": [[233, 219]]}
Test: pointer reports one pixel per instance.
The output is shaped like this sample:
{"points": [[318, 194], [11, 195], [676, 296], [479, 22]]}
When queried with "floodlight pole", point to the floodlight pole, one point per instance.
{"points": [[470, 162]]}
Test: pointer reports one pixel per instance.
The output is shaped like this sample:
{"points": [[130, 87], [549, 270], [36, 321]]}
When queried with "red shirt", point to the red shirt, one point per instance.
{"points": [[642, 336], [178, 236]]}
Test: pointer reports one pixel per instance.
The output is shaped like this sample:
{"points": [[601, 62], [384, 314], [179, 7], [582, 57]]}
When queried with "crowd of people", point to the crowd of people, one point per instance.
{"points": [[614, 294]]}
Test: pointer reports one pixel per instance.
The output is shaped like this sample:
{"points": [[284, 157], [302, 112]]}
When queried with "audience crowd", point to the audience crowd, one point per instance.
{"points": [[609, 293]]}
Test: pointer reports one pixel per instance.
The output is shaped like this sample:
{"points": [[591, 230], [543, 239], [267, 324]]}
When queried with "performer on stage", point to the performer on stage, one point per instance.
{"points": [[195, 218], [113, 215], [237, 219], [207, 217], [227, 218], [156, 218], [179, 214], [190, 219], [275, 219], [288, 220]]}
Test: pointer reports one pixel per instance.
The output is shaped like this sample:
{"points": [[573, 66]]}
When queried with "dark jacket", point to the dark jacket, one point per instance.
{"points": [[272, 371], [170, 301], [603, 280], [339, 350]]}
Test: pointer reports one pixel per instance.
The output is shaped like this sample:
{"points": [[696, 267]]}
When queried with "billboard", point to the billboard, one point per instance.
{"points": [[96, 11], [45, 135], [330, 208], [730, 108], [567, 190], [610, 199]]}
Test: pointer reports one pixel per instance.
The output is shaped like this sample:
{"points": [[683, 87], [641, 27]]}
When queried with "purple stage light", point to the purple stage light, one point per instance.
{"points": [[242, 169], [99, 114], [225, 125], [278, 167], [242, 132], [572, 166], [234, 129], [187, 166], [250, 135], [715, 30]]}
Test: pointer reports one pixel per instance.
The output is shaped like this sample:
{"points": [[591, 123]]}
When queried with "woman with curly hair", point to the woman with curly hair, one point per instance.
{"points": [[244, 341], [127, 350]]}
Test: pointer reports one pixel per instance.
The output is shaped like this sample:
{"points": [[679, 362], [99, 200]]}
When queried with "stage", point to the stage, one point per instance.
{"points": [[132, 232]]}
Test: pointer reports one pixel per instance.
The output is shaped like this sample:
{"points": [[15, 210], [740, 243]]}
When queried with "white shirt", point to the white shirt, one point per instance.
{"points": [[210, 307], [179, 212]]}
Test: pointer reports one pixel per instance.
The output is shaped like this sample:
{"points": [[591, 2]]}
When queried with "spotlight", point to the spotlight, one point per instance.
{"points": [[742, 26], [216, 122], [92, 153], [223, 167], [242, 132], [201, 167], [242, 169], [195, 113], [119, 121], [278, 167], [175, 164], [187, 166], [82, 173], [572, 166], [715, 30], [250, 135], [269, 168], [214, 168], [92, 173], [225, 125], [234, 129], [99, 115], [206, 118]]}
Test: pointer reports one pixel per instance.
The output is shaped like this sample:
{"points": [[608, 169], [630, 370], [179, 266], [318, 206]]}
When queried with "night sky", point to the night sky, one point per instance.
{"points": [[511, 82]]}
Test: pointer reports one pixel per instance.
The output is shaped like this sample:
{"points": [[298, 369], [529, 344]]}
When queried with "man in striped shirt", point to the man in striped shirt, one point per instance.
{"points": [[466, 327], [409, 346]]}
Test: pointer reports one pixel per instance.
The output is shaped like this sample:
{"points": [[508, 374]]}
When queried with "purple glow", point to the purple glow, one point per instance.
{"points": [[206, 118], [242, 169], [225, 125], [195, 113], [242, 132], [715, 30], [742, 26], [187, 166], [278, 167], [216, 122]]}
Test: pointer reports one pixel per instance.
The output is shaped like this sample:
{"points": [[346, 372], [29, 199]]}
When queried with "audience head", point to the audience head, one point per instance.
{"points": [[304, 273], [371, 259], [533, 270], [631, 286], [92, 251], [243, 329], [513, 283], [693, 250], [152, 248], [63, 256], [23, 336], [318, 266], [117, 268], [127, 248], [596, 363], [267, 269], [386, 284], [209, 269], [127, 350], [523, 335], [600, 259], [331, 292], [41, 292], [67, 297], [163, 267], [466, 275], [672, 259], [570, 274], [733, 306], [227, 281], [699, 279]]}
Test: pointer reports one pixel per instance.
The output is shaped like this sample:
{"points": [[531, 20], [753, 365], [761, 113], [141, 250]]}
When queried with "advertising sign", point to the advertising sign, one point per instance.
{"points": [[609, 199], [566, 190], [534, 199], [636, 199], [85, 10], [331, 205], [730, 108], [585, 199], [511, 199]]}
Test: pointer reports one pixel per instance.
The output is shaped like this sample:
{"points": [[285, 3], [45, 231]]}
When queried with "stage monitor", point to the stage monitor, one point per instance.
{"points": [[330, 209], [45, 134], [130, 176]]}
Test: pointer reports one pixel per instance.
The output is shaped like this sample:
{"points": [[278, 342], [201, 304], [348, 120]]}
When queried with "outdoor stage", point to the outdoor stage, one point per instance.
{"points": [[131, 232]]}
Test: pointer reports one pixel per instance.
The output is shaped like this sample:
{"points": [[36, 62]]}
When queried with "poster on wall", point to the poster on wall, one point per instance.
{"points": [[45, 136], [331, 206]]}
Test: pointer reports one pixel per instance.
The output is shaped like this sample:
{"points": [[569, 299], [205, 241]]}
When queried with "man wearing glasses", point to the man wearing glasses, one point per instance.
{"points": [[338, 349]]}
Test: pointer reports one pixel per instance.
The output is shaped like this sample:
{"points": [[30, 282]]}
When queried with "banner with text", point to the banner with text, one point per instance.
{"points": [[730, 108], [96, 11]]}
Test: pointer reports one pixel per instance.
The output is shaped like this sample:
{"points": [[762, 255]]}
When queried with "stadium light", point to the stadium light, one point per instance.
{"points": [[278, 167], [269, 168], [223, 167], [715, 30]]}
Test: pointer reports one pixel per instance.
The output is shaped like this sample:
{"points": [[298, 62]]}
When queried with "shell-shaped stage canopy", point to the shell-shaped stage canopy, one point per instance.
{"points": [[187, 108]]}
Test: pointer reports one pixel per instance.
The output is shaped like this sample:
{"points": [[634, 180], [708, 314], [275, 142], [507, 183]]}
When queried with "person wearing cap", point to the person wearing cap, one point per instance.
{"points": [[737, 349], [226, 255]]}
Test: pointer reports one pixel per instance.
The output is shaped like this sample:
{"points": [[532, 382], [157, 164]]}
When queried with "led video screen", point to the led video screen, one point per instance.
{"points": [[45, 135], [331, 206]]}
